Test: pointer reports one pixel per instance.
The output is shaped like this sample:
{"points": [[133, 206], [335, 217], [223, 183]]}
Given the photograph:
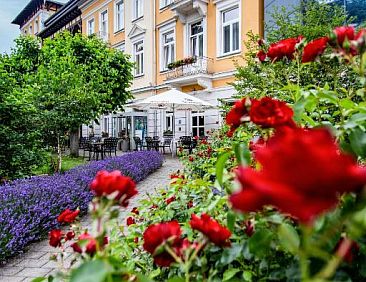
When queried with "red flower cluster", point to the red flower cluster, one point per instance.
{"points": [[283, 49], [266, 112], [217, 234], [270, 113], [314, 49], [249, 228], [302, 173], [163, 233], [344, 33], [108, 183], [56, 236], [68, 216], [130, 220], [234, 118]]}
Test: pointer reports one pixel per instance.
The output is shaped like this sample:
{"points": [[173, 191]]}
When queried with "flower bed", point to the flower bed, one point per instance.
{"points": [[29, 207]]}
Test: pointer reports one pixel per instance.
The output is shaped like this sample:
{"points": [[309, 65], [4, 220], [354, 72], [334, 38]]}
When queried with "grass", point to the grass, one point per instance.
{"points": [[67, 163]]}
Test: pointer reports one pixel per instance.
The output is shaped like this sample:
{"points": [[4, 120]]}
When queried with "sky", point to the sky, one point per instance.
{"points": [[9, 9]]}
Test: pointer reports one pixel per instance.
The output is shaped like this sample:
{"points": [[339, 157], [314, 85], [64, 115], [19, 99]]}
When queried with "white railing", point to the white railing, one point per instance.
{"points": [[201, 65]]}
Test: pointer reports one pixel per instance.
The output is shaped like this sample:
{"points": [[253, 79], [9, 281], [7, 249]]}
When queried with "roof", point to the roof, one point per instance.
{"points": [[59, 19], [31, 7]]}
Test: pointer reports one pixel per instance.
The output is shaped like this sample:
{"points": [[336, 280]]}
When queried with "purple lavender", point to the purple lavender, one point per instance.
{"points": [[29, 207]]}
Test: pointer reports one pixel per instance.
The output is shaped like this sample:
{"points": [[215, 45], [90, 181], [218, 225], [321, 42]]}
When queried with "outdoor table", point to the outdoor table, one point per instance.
{"points": [[96, 148]]}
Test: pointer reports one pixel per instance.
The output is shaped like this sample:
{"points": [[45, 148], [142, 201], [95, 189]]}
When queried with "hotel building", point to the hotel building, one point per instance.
{"points": [[190, 45]]}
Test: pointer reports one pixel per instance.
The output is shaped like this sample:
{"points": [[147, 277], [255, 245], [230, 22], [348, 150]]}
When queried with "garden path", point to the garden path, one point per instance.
{"points": [[36, 263]]}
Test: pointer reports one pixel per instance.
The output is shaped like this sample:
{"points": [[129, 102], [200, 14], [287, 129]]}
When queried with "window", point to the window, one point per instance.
{"points": [[139, 58], [196, 39], [119, 16], [121, 47], [104, 25], [138, 8], [168, 44], [91, 27], [230, 30], [198, 124], [106, 124], [164, 3], [36, 27], [30, 30]]}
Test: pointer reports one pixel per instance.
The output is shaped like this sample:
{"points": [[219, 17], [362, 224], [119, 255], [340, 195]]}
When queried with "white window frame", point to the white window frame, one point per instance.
{"points": [[36, 26], [121, 47], [190, 36], [88, 27], [198, 115], [140, 58], [165, 3], [103, 34], [118, 26], [222, 7], [138, 9], [163, 31]]}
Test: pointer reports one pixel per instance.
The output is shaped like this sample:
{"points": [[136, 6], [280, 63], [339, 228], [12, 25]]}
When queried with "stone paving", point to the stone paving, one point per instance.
{"points": [[35, 262]]}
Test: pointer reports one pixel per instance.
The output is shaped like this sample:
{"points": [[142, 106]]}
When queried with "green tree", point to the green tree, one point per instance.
{"points": [[311, 19], [78, 79], [20, 139]]}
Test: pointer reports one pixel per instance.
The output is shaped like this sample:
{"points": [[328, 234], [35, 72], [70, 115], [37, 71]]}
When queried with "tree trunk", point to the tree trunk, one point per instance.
{"points": [[59, 154], [74, 142]]}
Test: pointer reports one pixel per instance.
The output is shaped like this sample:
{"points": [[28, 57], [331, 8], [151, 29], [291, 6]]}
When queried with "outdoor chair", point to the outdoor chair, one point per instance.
{"points": [[166, 144], [186, 143], [110, 146], [138, 143], [149, 143]]}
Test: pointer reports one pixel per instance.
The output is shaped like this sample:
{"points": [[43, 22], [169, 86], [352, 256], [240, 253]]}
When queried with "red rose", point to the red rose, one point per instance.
{"points": [[106, 183], [162, 233], [217, 234], [55, 237], [169, 200], [344, 32], [68, 216], [135, 211], [302, 174], [196, 138], [268, 112], [70, 235], [234, 118], [136, 240], [347, 249], [89, 244], [130, 220], [314, 49], [261, 55], [283, 48]]}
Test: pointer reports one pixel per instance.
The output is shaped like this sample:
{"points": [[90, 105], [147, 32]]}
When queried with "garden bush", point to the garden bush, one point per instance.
{"points": [[29, 207]]}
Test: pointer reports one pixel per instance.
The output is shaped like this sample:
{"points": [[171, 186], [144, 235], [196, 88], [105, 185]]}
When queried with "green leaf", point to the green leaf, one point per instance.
{"points": [[230, 273], [230, 219], [358, 142], [176, 279], [220, 166], [230, 254], [242, 154], [91, 271], [289, 238], [260, 242], [247, 275], [39, 279], [346, 103]]}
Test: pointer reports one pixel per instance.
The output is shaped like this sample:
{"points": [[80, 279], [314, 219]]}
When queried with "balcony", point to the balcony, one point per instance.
{"points": [[199, 72], [185, 8]]}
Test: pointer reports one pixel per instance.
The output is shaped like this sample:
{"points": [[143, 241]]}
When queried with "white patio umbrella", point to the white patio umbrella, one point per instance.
{"points": [[172, 100]]}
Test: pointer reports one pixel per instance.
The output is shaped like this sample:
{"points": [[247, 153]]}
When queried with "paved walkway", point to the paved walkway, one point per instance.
{"points": [[36, 263]]}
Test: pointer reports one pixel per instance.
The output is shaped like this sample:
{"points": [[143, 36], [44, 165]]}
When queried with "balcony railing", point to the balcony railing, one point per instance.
{"points": [[202, 65]]}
